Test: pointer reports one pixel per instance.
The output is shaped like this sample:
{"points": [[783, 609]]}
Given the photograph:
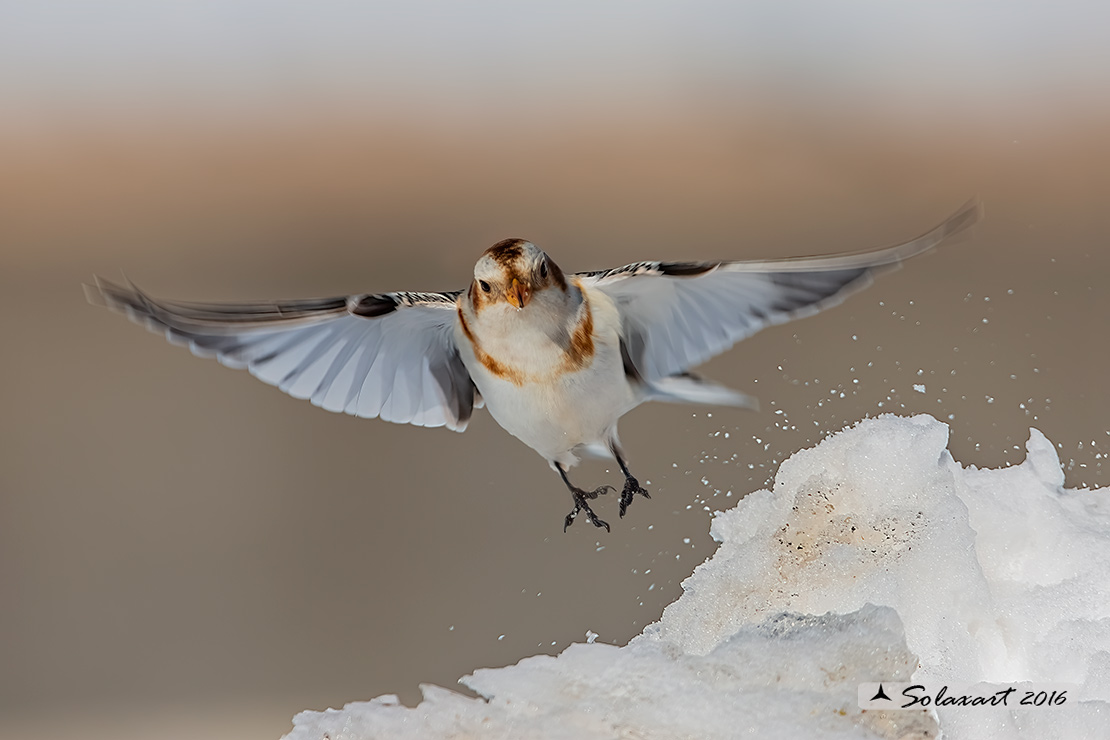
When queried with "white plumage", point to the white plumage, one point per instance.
{"points": [[557, 359]]}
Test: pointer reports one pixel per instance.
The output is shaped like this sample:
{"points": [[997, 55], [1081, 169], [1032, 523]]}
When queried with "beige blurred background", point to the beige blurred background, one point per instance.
{"points": [[187, 552]]}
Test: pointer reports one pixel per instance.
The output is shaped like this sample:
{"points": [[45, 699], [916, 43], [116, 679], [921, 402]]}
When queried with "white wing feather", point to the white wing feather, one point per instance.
{"points": [[676, 315], [391, 356]]}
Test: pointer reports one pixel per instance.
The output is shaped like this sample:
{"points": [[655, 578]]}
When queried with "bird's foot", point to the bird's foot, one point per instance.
{"points": [[580, 505], [631, 488]]}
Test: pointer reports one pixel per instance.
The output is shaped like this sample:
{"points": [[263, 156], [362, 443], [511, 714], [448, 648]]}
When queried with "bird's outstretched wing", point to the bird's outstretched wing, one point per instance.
{"points": [[390, 355], [677, 315]]}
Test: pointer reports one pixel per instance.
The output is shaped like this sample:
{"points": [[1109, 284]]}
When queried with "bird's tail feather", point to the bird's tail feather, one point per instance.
{"points": [[687, 388]]}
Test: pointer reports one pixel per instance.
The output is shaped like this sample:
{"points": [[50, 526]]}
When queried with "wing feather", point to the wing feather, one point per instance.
{"points": [[389, 355], [676, 315]]}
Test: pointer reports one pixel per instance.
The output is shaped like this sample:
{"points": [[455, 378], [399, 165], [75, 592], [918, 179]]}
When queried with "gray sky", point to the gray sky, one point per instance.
{"points": [[481, 53]]}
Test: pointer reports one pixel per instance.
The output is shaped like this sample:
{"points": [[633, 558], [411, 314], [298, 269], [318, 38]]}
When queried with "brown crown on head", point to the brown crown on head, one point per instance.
{"points": [[507, 251]]}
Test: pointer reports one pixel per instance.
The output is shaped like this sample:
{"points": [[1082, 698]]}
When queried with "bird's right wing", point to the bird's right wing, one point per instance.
{"points": [[676, 315], [389, 355]]}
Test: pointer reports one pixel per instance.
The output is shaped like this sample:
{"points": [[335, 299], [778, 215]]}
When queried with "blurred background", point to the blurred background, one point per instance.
{"points": [[185, 551]]}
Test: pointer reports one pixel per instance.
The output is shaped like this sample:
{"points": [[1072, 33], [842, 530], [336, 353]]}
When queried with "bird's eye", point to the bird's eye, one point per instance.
{"points": [[543, 269], [485, 286]]}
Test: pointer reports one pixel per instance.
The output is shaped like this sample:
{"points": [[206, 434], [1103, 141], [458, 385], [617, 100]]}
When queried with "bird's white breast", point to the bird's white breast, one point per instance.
{"points": [[537, 385]]}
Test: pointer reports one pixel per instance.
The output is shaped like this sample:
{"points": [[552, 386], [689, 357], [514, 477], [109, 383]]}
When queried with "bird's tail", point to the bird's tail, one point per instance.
{"points": [[688, 388]]}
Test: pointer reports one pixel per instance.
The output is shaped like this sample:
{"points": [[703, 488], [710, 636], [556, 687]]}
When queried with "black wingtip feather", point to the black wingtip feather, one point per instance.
{"points": [[372, 306]]}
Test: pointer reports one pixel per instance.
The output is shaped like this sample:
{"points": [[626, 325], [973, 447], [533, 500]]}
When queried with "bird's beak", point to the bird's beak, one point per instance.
{"points": [[519, 294]]}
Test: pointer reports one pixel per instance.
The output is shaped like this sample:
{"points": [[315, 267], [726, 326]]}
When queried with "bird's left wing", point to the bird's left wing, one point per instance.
{"points": [[390, 355], [676, 315]]}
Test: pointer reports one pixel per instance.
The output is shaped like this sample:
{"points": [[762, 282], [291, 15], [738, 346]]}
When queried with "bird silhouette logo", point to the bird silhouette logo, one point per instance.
{"points": [[880, 694]]}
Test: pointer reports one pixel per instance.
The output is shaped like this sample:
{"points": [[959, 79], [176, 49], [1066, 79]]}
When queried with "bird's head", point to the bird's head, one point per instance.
{"points": [[513, 272]]}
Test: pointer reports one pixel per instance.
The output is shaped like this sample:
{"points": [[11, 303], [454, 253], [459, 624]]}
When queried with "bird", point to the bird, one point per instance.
{"points": [[555, 358]]}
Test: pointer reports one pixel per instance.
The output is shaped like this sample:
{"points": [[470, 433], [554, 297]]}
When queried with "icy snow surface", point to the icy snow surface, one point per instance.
{"points": [[876, 557]]}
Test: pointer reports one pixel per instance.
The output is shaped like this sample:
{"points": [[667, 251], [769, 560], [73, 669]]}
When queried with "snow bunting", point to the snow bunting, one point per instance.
{"points": [[556, 358]]}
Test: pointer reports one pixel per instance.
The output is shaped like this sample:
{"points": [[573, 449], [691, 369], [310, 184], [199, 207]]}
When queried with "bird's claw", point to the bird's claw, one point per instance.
{"points": [[580, 505], [631, 488]]}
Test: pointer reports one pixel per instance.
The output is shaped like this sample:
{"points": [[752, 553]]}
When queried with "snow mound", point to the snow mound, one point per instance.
{"points": [[791, 676], [876, 557]]}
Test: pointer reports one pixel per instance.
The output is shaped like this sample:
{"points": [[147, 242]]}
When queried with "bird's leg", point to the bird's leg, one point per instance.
{"points": [[631, 485], [580, 504]]}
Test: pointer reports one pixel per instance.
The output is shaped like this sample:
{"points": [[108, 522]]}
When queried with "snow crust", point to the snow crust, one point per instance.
{"points": [[875, 557]]}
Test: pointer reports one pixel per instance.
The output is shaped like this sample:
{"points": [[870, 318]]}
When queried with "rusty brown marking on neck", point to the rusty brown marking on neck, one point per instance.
{"points": [[578, 353], [581, 349], [556, 276], [477, 300], [499, 369]]}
